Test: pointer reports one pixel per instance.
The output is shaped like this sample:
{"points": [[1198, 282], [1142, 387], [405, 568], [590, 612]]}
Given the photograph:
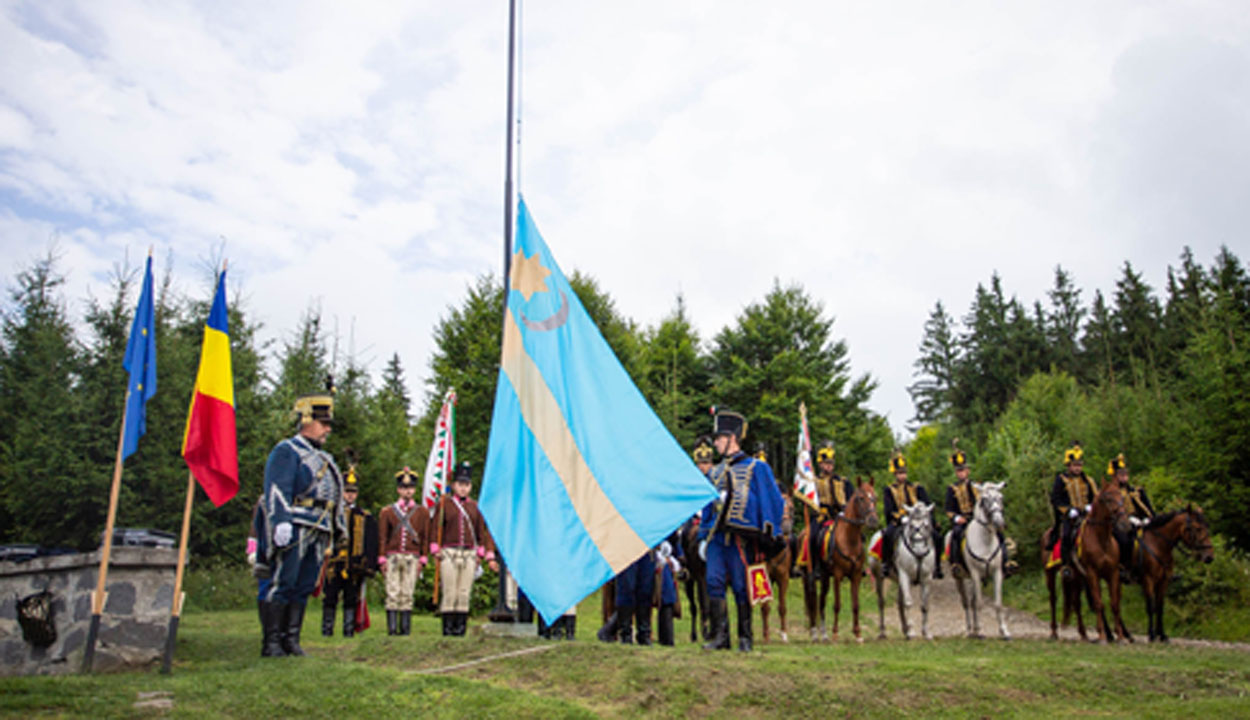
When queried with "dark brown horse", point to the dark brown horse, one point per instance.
{"points": [[1095, 558], [695, 580], [1153, 557], [841, 552]]}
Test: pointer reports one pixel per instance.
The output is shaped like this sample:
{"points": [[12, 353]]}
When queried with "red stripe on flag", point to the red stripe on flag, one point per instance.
{"points": [[211, 451]]}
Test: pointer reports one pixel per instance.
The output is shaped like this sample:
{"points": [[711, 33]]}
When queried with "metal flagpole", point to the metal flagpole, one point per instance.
{"points": [[99, 598], [501, 613]]}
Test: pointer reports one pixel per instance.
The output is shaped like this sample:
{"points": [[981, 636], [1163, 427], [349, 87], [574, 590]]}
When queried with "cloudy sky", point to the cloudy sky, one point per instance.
{"points": [[884, 155]]}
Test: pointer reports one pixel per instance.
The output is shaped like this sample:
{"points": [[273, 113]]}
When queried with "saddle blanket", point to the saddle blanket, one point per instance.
{"points": [[1055, 556], [875, 550]]}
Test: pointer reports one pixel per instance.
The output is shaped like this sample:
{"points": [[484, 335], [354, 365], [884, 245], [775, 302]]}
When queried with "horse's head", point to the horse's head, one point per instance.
{"points": [[989, 509], [918, 524], [1197, 534], [862, 506], [1108, 507]]}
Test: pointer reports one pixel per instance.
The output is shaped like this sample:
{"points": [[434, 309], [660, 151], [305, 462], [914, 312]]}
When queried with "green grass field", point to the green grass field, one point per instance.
{"points": [[218, 674]]}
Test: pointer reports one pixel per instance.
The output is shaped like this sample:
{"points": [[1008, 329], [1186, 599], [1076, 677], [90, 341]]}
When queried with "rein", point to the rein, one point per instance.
{"points": [[997, 548]]}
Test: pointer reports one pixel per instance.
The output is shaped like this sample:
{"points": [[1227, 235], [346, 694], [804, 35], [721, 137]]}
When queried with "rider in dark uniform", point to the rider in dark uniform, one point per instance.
{"points": [[736, 527], [1136, 503], [1070, 498], [303, 513], [832, 494], [354, 562], [961, 502], [898, 495]]}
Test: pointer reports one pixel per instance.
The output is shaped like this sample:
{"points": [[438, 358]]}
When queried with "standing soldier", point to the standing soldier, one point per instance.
{"points": [[832, 492], [353, 563], [461, 542], [1070, 498], [899, 495], [961, 503], [667, 567], [733, 527], [404, 530], [303, 506]]}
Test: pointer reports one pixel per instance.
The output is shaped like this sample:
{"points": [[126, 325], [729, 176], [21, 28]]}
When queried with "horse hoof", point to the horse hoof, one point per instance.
{"points": [[859, 640], [1006, 637], [928, 636], [881, 635], [785, 638]]}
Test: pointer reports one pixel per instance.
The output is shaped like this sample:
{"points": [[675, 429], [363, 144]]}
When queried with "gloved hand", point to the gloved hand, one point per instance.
{"points": [[434, 548], [703, 550], [1073, 513], [282, 534], [1088, 508], [676, 565], [1136, 521], [251, 551], [664, 551], [959, 520], [382, 563]]}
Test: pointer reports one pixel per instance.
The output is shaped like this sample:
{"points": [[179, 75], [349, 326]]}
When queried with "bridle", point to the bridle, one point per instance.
{"points": [[976, 518]]}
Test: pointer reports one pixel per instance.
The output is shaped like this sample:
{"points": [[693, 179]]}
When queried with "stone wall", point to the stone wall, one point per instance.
{"points": [[132, 628]]}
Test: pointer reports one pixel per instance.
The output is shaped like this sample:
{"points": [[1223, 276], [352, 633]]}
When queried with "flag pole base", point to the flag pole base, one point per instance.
{"points": [[88, 653], [170, 639]]}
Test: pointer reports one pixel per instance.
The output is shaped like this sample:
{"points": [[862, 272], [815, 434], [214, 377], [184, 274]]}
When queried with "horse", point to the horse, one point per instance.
{"points": [[1153, 557], [914, 558], [840, 551], [982, 555], [779, 573], [695, 581], [1096, 558]]}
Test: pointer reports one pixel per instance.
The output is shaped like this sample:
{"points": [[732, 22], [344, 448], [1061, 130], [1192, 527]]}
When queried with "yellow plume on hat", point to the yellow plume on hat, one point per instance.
{"points": [[1074, 453]]}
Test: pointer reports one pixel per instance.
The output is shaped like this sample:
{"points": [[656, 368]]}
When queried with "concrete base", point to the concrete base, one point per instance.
{"points": [[515, 630], [135, 620]]}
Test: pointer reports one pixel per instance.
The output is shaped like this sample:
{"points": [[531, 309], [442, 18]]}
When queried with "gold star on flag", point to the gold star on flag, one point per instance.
{"points": [[528, 275]]}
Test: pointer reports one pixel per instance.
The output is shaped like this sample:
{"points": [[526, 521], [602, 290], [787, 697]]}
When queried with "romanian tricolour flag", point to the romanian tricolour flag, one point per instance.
{"points": [[209, 445], [581, 476], [442, 452], [804, 484], [140, 365]]}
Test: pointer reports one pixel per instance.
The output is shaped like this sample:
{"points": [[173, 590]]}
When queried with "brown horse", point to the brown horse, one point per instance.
{"points": [[1153, 557], [695, 580], [779, 574], [841, 552], [1096, 558]]}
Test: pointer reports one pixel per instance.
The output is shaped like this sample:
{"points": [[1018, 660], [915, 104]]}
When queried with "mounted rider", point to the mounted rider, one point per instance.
{"points": [[961, 505], [898, 496], [737, 528], [832, 494], [1137, 504], [1070, 499]]}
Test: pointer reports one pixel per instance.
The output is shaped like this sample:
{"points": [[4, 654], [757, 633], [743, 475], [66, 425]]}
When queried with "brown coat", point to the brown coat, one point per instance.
{"points": [[451, 528], [394, 535]]}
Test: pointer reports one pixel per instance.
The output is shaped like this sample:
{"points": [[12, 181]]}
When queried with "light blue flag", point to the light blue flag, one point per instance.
{"points": [[140, 365], [581, 476]]}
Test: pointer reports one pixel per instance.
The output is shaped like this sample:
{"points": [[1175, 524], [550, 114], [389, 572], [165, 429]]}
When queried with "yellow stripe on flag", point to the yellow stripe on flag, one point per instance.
{"points": [[215, 378], [616, 540]]}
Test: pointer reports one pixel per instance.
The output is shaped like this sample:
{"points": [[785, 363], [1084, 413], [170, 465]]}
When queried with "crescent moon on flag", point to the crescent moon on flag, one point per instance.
{"points": [[560, 317]]}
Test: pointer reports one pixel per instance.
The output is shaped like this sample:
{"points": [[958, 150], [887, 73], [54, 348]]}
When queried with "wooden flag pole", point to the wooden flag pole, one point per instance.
{"points": [[100, 596], [175, 611]]}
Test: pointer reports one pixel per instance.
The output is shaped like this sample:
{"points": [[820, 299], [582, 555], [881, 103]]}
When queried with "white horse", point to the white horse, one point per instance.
{"points": [[914, 559], [982, 554]]}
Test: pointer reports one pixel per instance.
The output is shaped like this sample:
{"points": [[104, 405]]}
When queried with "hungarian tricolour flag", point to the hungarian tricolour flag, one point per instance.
{"points": [[804, 485], [442, 452], [209, 444]]}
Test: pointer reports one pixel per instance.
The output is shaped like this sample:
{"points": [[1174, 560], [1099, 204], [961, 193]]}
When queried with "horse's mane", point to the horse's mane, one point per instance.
{"points": [[1159, 521]]}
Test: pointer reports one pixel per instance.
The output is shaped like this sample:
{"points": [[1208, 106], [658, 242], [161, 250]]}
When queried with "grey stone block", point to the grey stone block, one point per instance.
{"points": [[164, 600], [8, 608], [82, 608], [121, 599], [73, 641]]}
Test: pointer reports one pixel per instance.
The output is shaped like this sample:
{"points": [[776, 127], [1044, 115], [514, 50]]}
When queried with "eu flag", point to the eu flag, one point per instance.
{"points": [[140, 365], [581, 476]]}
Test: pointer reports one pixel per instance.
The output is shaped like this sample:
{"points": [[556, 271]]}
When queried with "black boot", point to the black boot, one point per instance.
{"points": [[719, 612], [625, 624], [570, 627], [392, 622], [642, 617], [664, 626], [327, 619], [447, 625], [271, 623], [744, 627], [293, 623], [405, 622], [462, 623], [349, 623], [607, 633]]}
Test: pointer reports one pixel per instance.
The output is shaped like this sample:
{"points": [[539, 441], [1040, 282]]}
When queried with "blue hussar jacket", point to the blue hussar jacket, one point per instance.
{"points": [[303, 486], [752, 503]]}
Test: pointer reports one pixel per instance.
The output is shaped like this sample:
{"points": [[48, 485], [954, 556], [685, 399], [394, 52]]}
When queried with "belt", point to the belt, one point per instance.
{"points": [[314, 503]]}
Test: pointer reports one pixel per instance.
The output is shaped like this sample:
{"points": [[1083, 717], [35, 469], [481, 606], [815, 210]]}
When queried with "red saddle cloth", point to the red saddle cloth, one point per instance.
{"points": [[1055, 556], [876, 548]]}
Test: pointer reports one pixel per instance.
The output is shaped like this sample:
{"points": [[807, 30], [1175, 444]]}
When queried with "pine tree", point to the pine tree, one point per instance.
{"points": [[939, 354], [674, 377], [1064, 326]]}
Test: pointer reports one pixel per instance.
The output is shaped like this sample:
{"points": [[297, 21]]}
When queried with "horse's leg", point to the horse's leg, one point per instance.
{"points": [[689, 587], [1147, 592], [1161, 591], [1050, 589], [857, 574], [1094, 586], [764, 612], [783, 586], [926, 582], [705, 602], [878, 582], [974, 572], [1073, 589], [997, 570], [809, 603], [904, 599], [1116, 589], [837, 601], [961, 585], [824, 603]]}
